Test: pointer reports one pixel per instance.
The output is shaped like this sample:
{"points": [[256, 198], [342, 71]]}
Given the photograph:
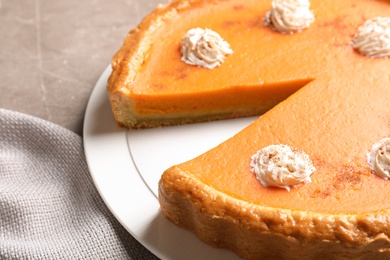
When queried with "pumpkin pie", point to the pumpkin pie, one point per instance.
{"points": [[338, 111], [151, 86]]}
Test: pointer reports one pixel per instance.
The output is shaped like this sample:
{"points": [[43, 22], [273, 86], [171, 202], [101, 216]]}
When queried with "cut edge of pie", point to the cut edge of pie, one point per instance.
{"points": [[130, 58]]}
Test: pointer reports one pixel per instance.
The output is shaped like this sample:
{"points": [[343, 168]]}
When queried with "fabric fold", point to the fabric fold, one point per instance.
{"points": [[49, 206]]}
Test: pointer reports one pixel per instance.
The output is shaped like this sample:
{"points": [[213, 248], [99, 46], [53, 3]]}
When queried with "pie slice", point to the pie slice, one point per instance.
{"points": [[344, 211], [340, 111], [151, 86]]}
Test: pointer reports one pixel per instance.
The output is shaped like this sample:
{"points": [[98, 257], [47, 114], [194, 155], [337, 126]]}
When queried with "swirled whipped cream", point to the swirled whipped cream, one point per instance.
{"points": [[282, 166], [372, 39], [204, 48], [289, 16], [379, 158]]}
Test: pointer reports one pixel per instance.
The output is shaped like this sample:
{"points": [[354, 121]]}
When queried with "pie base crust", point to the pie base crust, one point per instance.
{"points": [[258, 232]]}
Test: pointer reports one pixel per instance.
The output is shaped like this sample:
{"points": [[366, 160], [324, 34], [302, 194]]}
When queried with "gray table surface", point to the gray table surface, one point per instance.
{"points": [[53, 52]]}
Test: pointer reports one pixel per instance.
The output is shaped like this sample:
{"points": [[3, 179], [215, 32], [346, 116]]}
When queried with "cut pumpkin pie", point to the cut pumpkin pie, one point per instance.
{"points": [[322, 72]]}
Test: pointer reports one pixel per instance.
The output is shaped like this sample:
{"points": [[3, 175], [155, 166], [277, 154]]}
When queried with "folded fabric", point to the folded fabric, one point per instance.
{"points": [[49, 206]]}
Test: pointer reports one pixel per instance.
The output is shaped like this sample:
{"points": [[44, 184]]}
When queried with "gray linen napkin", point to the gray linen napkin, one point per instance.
{"points": [[49, 207]]}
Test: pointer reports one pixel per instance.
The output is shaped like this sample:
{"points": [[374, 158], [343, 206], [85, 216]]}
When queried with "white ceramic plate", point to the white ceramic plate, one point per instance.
{"points": [[126, 167]]}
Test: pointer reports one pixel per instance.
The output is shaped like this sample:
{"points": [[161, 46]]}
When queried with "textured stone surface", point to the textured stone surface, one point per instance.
{"points": [[53, 52]]}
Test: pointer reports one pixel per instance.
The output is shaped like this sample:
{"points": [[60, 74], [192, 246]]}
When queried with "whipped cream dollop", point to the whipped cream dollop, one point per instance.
{"points": [[379, 158], [204, 47], [282, 166], [372, 39], [289, 16]]}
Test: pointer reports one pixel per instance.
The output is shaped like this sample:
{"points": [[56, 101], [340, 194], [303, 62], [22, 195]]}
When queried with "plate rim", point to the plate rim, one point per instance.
{"points": [[160, 236]]}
